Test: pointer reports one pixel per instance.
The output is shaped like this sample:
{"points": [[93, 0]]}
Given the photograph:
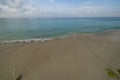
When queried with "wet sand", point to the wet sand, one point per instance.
{"points": [[77, 57]]}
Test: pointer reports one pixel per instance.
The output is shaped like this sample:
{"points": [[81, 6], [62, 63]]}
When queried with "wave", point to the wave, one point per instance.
{"points": [[32, 40]]}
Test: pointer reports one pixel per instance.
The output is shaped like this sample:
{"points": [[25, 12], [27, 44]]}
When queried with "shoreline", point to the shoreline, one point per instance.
{"points": [[32, 40], [109, 31]]}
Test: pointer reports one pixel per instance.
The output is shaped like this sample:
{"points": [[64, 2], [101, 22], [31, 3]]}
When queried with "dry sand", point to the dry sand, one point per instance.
{"points": [[77, 57]]}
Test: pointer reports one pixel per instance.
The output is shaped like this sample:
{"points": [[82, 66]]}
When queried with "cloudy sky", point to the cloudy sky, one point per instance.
{"points": [[59, 8]]}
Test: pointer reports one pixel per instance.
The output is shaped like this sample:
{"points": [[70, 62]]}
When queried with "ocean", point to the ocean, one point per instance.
{"points": [[36, 28]]}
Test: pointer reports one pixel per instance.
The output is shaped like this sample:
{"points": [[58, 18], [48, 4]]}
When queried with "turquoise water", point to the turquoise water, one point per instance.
{"points": [[29, 28]]}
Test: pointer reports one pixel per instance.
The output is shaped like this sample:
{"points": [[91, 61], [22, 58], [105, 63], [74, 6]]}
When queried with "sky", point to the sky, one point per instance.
{"points": [[59, 8]]}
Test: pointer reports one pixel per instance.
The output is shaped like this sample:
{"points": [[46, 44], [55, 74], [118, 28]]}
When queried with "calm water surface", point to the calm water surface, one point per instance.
{"points": [[29, 28]]}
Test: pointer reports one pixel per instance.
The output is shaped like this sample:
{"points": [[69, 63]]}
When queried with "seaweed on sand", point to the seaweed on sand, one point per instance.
{"points": [[112, 74], [17, 77]]}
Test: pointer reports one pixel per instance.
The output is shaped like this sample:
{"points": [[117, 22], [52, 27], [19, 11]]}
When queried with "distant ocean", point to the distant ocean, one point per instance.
{"points": [[35, 28]]}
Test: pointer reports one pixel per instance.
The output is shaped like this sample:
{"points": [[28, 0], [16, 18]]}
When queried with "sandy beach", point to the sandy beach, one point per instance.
{"points": [[81, 56]]}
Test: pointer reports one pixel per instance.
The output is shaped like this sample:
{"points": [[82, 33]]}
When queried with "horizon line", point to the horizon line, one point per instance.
{"points": [[67, 17]]}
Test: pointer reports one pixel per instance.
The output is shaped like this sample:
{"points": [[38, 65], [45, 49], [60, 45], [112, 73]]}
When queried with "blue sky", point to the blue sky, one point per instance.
{"points": [[59, 8]]}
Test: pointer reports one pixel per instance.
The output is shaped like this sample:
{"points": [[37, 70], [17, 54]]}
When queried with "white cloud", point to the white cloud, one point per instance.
{"points": [[16, 8], [21, 8]]}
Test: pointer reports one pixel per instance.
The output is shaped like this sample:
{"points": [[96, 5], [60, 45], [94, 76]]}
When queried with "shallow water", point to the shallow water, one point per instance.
{"points": [[33, 28]]}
